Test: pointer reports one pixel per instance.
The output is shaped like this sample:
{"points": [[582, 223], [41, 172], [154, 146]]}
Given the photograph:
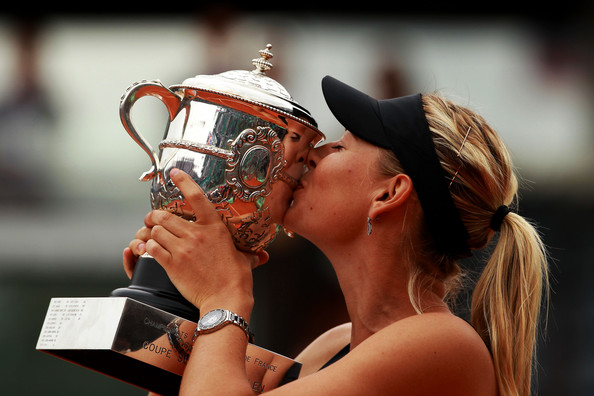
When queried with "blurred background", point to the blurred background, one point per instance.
{"points": [[71, 200]]}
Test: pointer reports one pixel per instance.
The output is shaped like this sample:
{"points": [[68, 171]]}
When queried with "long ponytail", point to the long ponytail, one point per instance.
{"points": [[506, 303]]}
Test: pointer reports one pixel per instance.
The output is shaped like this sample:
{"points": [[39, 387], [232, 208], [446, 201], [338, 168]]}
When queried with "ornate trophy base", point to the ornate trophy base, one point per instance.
{"points": [[140, 344]]}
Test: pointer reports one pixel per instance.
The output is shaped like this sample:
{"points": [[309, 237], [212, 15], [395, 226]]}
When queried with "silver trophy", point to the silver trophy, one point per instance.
{"points": [[243, 139]]}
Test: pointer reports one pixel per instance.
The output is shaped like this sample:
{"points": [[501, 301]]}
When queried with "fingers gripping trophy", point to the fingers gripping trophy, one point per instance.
{"points": [[243, 139]]}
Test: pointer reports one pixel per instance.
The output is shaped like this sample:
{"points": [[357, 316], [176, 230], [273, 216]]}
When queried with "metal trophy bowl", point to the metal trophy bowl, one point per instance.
{"points": [[243, 139]]}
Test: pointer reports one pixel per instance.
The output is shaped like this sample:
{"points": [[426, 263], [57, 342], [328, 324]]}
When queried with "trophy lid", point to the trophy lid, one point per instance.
{"points": [[254, 88]]}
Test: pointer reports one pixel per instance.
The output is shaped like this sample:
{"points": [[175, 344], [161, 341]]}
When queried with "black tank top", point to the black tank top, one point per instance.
{"points": [[338, 356]]}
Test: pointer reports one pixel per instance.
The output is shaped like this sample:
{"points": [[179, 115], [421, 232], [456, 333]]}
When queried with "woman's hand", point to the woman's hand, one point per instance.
{"points": [[200, 257], [135, 249]]}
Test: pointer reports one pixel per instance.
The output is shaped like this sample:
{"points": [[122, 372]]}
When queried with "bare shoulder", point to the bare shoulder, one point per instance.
{"points": [[440, 331], [433, 353], [323, 348], [428, 354]]}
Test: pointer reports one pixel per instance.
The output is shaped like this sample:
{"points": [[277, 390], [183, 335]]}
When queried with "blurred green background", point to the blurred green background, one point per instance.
{"points": [[71, 201]]}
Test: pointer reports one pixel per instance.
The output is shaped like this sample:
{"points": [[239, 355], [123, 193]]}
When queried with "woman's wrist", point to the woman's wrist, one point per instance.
{"points": [[241, 304], [235, 293]]}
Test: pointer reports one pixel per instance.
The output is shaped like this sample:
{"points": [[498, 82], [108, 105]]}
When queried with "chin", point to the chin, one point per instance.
{"points": [[291, 218]]}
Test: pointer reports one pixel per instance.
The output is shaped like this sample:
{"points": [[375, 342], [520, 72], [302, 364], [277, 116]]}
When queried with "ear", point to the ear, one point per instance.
{"points": [[392, 195]]}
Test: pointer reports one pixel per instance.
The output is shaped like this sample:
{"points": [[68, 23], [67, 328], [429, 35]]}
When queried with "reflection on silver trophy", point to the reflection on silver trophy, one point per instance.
{"points": [[237, 134], [243, 139]]}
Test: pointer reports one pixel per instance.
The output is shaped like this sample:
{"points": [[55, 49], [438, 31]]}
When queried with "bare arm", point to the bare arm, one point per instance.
{"points": [[207, 269]]}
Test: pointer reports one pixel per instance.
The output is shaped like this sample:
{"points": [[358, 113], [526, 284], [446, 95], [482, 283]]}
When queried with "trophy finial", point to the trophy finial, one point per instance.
{"points": [[262, 64]]}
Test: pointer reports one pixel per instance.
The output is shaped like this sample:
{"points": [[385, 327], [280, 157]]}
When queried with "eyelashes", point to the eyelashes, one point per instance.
{"points": [[295, 137]]}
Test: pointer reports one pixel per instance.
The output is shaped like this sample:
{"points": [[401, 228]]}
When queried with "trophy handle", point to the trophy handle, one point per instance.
{"points": [[135, 92]]}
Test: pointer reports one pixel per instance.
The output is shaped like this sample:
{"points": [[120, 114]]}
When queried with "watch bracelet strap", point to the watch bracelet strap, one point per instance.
{"points": [[243, 324]]}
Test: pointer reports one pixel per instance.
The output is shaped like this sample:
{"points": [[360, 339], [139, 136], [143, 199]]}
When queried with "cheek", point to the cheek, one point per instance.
{"points": [[325, 206], [327, 196]]}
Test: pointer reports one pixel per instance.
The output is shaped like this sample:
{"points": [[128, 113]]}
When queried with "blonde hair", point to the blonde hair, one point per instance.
{"points": [[506, 301]]}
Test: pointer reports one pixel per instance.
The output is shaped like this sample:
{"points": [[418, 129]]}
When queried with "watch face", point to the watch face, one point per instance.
{"points": [[212, 319]]}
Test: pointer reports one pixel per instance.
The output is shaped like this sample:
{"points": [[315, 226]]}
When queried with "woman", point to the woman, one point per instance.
{"points": [[415, 184]]}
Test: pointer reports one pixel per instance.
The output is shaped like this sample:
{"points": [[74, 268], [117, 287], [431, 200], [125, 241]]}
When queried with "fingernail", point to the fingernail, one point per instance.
{"points": [[174, 172], [141, 247]]}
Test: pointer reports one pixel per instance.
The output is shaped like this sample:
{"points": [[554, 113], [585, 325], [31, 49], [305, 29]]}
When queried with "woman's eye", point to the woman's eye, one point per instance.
{"points": [[337, 147], [295, 137]]}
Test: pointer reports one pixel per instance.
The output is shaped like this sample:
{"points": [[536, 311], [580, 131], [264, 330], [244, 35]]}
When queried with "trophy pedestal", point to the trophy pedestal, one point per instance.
{"points": [[151, 285], [140, 344]]}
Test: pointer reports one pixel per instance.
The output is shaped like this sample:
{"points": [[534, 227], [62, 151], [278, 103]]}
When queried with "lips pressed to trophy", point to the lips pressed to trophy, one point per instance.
{"points": [[243, 139]]}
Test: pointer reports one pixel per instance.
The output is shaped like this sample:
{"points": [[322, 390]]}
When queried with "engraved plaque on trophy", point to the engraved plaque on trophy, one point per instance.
{"points": [[243, 139]]}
